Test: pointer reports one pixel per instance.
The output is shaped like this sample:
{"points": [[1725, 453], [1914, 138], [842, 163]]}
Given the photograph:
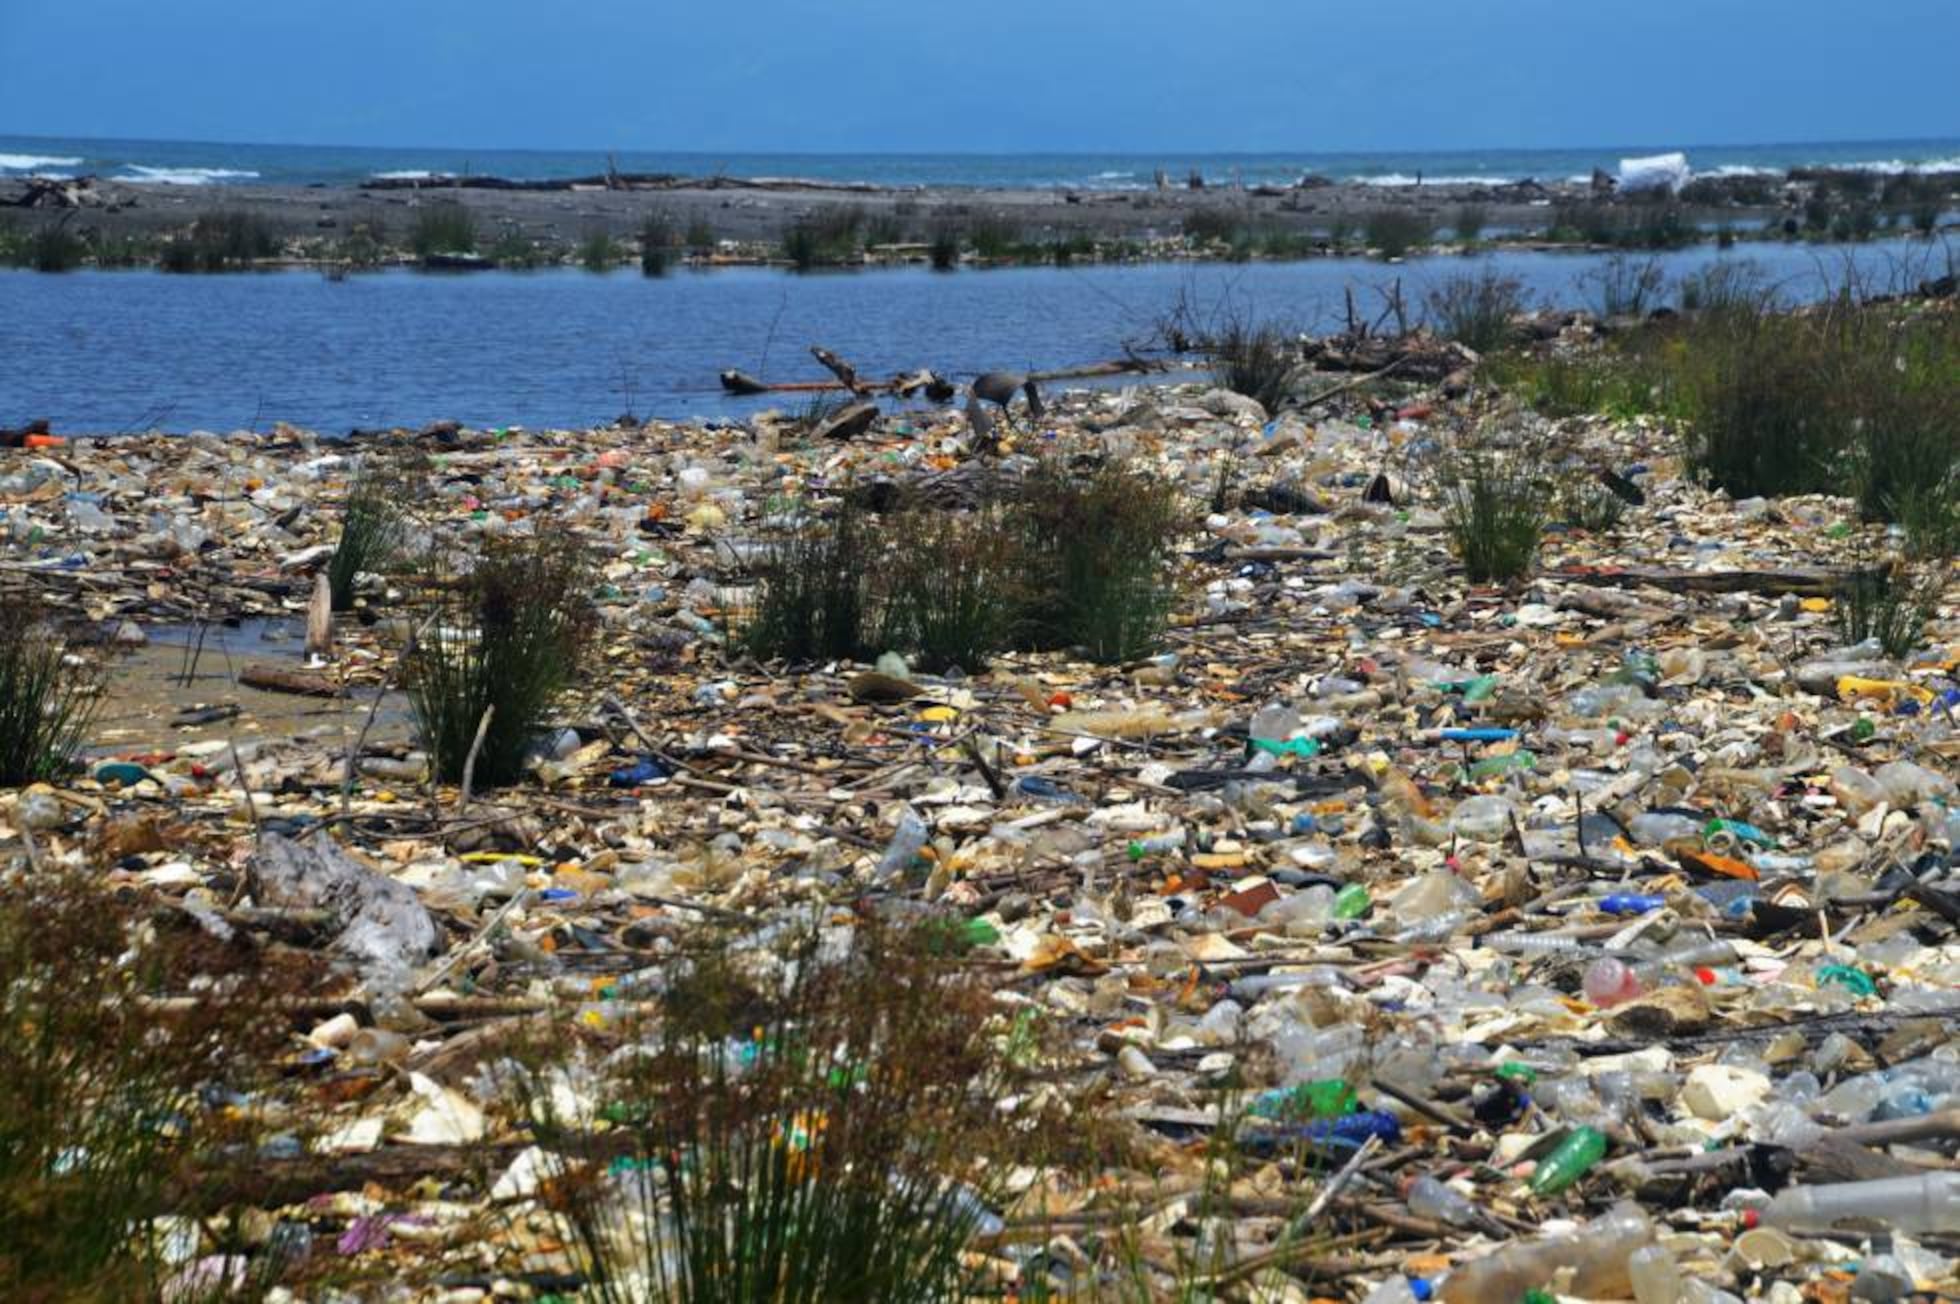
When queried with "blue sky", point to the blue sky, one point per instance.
{"points": [[928, 75]]}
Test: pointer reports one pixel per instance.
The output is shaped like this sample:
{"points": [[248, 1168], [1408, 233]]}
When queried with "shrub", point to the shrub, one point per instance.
{"points": [[950, 586], [113, 1111], [597, 252], [1212, 226], [1891, 607], [700, 234], [218, 241], [1585, 504], [810, 601], [1097, 553], [945, 248], [1080, 560], [821, 1122], [1495, 508], [46, 704], [515, 249], [1256, 359], [1727, 287], [1393, 232], [658, 236], [505, 640], [1626, 287], [54, 248], [1804, 402], [827, 236], [444, 227], [1468, 224], [373, 527], [994, 237], [884, 229], [1477, 311]]}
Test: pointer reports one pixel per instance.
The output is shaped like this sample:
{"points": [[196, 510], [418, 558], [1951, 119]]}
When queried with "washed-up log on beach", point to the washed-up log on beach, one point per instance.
{"points": [[741, 382], [273, 679]]}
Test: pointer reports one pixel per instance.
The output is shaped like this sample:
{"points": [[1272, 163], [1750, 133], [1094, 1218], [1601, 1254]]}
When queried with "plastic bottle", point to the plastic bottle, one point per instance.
{"points": [[907, 841], [1630, 903], [1429, 1198], [1583, 1147], [1352, 902], [1855, 790], [1275, 721], [1597, 1254], [1483, 819], [1157, 844], [1652, 828], [1610, 982], [1656, 1276], [1927, 1203], [1516, 943]]}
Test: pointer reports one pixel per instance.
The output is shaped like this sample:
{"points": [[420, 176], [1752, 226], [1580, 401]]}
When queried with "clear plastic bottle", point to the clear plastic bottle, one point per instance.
{"points": [[1597, 1254], [908, 840], [1429, 1198], [1927, 1203], [1656, 1276], [1652, 828], [1156, 845]]}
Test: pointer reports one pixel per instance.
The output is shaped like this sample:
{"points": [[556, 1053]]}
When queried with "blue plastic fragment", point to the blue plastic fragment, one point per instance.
{"points": [[1033, 785], [1355, 1129], [644, 770]]}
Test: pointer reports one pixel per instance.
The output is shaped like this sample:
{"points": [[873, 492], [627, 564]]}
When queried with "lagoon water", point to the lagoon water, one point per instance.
{"points": [[104, 352]]}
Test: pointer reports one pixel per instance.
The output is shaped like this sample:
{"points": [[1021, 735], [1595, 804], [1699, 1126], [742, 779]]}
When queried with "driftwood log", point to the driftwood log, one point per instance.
{"points": [[276, 679], [736, 381]]}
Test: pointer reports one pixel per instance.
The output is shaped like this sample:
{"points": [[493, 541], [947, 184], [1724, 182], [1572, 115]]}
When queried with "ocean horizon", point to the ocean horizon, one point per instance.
{"points": [[241, 163]]}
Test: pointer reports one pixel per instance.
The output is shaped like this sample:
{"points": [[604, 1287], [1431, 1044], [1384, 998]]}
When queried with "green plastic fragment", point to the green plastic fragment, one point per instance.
{"points": [[1852, 979], [1288, 746]]}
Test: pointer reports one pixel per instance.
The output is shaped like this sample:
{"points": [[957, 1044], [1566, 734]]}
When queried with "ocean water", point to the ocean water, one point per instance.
{"points": [[218, 163], [105, 352]]}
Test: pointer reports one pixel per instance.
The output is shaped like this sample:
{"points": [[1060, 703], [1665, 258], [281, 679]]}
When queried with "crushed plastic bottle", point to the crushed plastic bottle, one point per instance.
{"points": [[1926, 1204]]}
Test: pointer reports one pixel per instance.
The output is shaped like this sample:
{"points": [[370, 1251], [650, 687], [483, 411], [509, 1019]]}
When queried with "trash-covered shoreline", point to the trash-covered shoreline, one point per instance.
{"points": [[1586, 934]]}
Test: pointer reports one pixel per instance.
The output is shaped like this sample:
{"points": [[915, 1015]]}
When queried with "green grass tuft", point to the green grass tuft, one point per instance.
{"points": [[505, 638], [1495, 509], [46, 704]]}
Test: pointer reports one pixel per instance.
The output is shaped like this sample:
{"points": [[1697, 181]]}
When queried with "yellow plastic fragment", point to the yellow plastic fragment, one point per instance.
{"points": [[1851, 688]]}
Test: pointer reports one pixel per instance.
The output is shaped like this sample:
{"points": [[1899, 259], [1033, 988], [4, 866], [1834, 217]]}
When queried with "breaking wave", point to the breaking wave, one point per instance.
{"points": [[183, 176], [34, 162]]}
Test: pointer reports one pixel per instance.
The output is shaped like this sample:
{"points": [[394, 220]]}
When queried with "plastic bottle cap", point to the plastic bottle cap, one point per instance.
{"points": [[1751, 1219], [1704, 975]]}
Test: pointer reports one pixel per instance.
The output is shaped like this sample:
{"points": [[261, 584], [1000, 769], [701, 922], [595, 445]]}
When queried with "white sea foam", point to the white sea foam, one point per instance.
{"points": [[413, 174], [1894, 166], [34, 162], [183, 176], [1408, 179]]}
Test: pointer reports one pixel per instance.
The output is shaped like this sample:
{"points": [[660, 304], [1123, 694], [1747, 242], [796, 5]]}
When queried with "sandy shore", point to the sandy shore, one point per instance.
{"points": [[751, 211]]}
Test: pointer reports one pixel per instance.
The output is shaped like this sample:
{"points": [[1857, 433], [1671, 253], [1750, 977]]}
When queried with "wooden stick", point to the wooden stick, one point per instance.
{"points": [[469, 761]]}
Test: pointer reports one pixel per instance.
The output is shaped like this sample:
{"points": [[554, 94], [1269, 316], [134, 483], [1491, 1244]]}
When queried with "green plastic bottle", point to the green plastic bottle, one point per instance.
{"points": [[1352, 902], [1582, 1148]]}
